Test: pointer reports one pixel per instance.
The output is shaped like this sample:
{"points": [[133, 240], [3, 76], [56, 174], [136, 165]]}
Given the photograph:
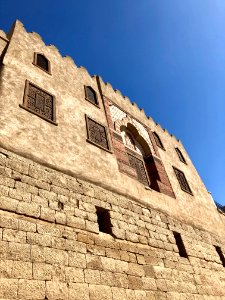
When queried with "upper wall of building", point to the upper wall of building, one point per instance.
{"points": [[64, 145]]}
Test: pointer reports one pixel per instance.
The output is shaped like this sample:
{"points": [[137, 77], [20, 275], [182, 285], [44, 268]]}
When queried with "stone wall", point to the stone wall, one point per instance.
{"points": [[51, 247], [65, 146]]}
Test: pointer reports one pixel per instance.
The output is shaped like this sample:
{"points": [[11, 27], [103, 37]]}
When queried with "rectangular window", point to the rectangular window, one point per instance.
{"points": [[180, 244], [91, 95], [180, 155], [139, 167], [104, 222], [220, 253], [97, 134], [182, 181], [39, 102]]}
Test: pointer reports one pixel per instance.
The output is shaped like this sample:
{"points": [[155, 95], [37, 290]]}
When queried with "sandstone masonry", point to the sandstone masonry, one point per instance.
{"points": [[91, 169]]}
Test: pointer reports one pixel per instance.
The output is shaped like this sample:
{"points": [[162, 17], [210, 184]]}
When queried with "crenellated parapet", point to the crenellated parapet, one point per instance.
{"points": [[59, 115]]}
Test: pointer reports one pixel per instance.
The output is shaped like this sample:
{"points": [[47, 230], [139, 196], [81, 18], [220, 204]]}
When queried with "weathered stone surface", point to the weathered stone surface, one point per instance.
{"points": [[100, 292], [78, 291], [56, 290], [74, 274], [50, 243], [31, 289], [42, 271], [8, 288], [22, 269], [92, 276]]}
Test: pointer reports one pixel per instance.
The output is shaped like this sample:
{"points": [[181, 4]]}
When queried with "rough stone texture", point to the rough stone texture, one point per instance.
{"points": [[42, 258], [62, 148], [50, 243]]}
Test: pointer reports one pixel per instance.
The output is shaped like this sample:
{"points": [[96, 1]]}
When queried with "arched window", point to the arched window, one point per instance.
{"points": [[91, 95], [180, 155], [135, 155], [158, 140], [42, 62]]}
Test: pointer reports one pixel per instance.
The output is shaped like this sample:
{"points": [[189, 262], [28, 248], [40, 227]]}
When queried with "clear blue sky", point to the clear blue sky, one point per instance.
{"points": [[168, 56]]}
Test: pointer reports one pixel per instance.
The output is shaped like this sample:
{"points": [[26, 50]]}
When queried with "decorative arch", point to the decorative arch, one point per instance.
{"points": [[117, 118], [136, 150], [138, 132], [141, 145]]}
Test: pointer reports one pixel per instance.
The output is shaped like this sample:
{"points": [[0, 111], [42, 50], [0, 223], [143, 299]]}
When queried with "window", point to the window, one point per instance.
{"points": [[180, 244], [158, 140], [180, 155], [104, 222], [220, 253], [60, 205], [136, 155], [138, 165], [97, 134], [90, 95], [182, 181], [39, 102], [42, 62]]}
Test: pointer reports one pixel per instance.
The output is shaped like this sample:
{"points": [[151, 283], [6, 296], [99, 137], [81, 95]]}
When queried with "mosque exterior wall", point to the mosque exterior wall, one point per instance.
{"points": [[97, 201]]}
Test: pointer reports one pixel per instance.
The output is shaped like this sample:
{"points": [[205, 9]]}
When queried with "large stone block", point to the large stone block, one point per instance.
{"points": [[78, 291], [100, 292], [31, 289], [8, 288], [56, 290]]}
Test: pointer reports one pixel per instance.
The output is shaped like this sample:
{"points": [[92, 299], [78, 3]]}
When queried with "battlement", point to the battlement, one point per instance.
{"points": [[97, 201], [62, 146], [136, 111]]}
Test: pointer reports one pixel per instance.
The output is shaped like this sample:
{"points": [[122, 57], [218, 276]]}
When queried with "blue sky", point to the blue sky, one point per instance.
{"points": [[168, 56]]}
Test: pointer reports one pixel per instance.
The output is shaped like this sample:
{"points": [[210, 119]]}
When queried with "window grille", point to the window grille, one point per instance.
{"points": [[180, 155], [39, 102], [158, 140], [90, 95], [97, 133], [182, 181], [139, 167]]}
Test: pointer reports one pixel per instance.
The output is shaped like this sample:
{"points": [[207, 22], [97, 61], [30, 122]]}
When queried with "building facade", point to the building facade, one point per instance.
{"points": [[97, 201]]}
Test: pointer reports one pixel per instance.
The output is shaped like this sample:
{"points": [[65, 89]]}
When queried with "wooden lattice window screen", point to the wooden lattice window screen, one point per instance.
{"points": [[182, 181], [138, 165], [39, 102], [97, 133]]}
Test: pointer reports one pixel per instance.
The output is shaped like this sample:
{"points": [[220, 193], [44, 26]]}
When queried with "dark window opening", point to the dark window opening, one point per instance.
{"points": [[104, 222], [90, 95], [42, 62], [182, 181], [60, 205], [180, 155], [220, 253], [180, 244], [158, 140]]}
